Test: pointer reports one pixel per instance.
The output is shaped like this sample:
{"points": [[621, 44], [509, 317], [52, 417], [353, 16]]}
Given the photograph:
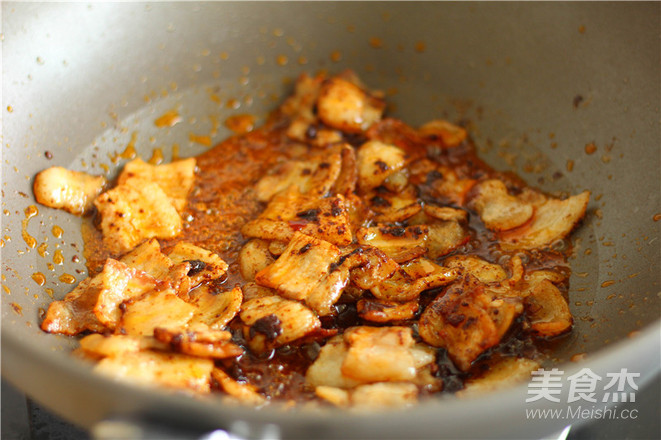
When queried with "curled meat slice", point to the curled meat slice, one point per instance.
{"points": [[175, 179], [446, 213], [73, 191], [326, 370], [553, 220], [376, 162], [450, 187], [136, 211], [499, 210], [148, 258], [272, 321], [394, 207], [382, 311], [450, 134], [254, 256], [149, 368], [97, 345], [400, 244], [444, 237], [466, 320], [411, 279], [244, 392], [547, 310], [347, 107], [374, 266], [199, 341]]}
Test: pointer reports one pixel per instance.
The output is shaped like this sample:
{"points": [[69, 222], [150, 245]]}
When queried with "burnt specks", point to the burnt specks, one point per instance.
{"points": [[433, 176], [269, 326], [395, 231], [324, 165], [417, 231], [336, 208], [379, 201], [304, 249], [196, 266], [381, 165], [311, 132], [311, 215]]}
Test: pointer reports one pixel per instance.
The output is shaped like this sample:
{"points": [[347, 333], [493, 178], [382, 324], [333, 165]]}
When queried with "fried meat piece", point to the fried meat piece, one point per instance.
{"points": [[553, 220], [345, 106], [136, 211], [244, 392], [466, 320], [154, 309], [502, 374], [499, 210], [215, 309], [411, 279], [399, 243], [376, 162], [73, 191], [199, 341], [175, 179]]}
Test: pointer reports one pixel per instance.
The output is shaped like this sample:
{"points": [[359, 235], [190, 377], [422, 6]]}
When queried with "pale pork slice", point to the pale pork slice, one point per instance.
{"points": [[175, 179], [481, 269], [379, 354], [73, 191], [148, 258], [74, 313], [499, 210], [345, 106], [371, 396], [149, 368], [547, 310], [553, 220], [134, 212]]}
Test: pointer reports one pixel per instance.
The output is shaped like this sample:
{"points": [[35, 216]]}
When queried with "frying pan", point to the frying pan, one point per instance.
{"points": [[534, 82]]}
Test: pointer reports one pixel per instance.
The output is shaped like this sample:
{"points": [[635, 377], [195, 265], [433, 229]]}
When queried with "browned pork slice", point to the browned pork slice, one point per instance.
{"points": [[347, 107]]}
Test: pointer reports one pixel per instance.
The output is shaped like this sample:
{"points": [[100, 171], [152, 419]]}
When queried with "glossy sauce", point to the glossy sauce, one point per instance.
{"points": [[223, 200]]}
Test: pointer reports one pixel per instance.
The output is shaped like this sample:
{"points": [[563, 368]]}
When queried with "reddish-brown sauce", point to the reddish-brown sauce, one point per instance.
{"points": [[223, 200]]}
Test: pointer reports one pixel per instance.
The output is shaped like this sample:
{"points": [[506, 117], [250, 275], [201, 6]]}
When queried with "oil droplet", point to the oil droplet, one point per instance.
{"points": [[302, 60], [17, 309], [175, 152], [233, 104], [10, 108], [200, 139], [30, 212], [39, 278], [50, 266], [281, 60], [168, 119], [590, 148], [67, 278], [581, 29], [129, 151], [58, 258], [420, 46], [156, 156], [578, 357], [336, 56], [42, 248], [6, 289], [2, 244], [224, 55], [605, 158], [49, 291], [570, 165], [376, 42], [240, 124], [215, 98], [633, 334], [57, 231], [261, 60], [656, 217], [607, 283]]}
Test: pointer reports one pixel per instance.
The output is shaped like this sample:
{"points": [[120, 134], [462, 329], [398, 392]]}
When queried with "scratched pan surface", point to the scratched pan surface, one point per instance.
{"points": [[536, 82]]}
